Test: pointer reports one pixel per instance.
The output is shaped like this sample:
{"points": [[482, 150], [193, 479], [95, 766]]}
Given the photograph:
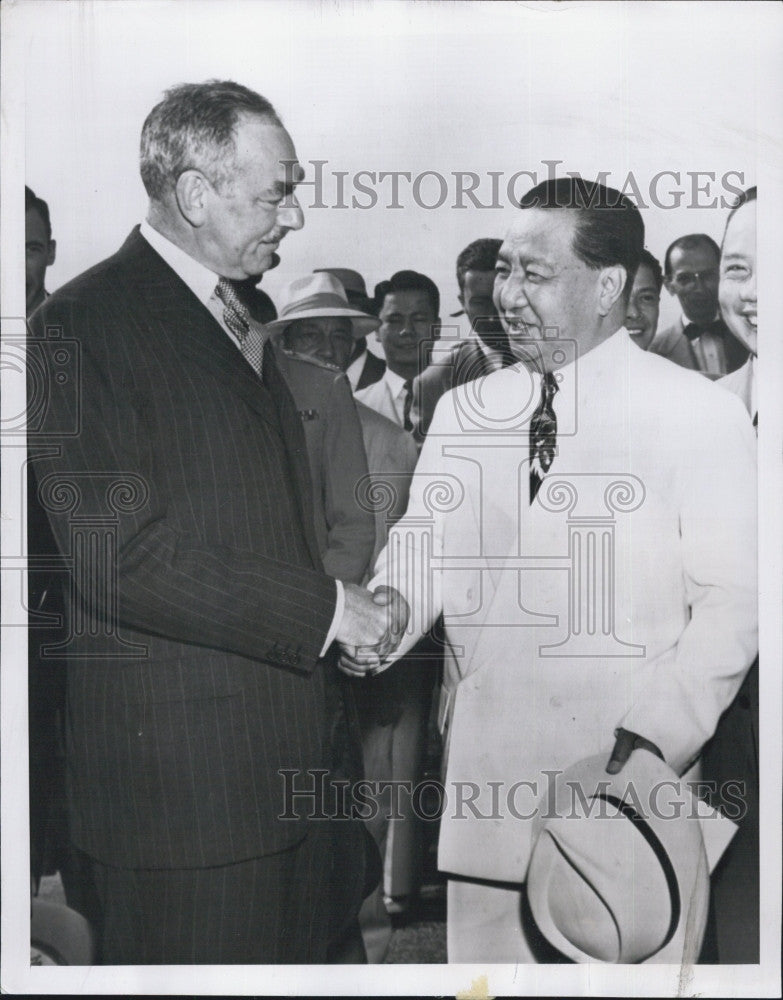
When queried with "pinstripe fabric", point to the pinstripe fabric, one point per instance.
{"points": [[173, 756], [271, 910]]}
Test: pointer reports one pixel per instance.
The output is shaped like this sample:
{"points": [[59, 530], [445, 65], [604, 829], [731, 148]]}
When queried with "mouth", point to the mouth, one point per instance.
{"points": [[636, 331], [274, 238], [516, 327]]}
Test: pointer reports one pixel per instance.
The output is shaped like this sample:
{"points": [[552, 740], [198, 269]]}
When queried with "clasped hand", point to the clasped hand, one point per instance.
{"points": [[371, 629]]}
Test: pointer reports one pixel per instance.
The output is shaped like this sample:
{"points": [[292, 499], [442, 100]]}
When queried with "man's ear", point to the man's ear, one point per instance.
{"points": [[192, 193], [610, 287], [52, 253], [667, 281]]}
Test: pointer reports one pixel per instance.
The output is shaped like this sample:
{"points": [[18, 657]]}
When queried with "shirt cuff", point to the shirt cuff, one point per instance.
{"points": [[337, 619]]}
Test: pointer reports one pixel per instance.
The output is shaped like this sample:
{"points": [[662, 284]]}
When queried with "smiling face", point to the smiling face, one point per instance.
{"points": [[737, 291], [407, 319], [543, 291], [327, 338], [245, 219], [641, 318]]}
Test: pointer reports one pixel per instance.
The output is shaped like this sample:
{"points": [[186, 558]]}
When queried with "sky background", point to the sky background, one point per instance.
{"points": [[396, 86]]}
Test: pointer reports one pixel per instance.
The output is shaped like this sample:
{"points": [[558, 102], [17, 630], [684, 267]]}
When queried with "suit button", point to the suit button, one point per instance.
{"points": [[555, 702]]}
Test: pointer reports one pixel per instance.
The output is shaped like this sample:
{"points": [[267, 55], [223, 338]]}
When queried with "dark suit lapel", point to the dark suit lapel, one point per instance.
{"points": [[194, 334], [187, 326]]}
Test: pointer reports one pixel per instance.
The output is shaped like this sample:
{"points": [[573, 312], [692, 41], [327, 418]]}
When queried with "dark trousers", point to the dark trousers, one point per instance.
{"points": [[269, 910], [732, 756]]}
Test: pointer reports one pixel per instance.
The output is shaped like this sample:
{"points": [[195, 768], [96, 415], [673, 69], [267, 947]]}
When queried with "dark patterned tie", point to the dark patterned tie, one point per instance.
{"points": [[237, 319], [543, 435], [407, 402]]}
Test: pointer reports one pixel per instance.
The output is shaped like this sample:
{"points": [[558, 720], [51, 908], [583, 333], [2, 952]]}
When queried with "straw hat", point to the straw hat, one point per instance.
{"points": [[619, 871], [316, 296]]}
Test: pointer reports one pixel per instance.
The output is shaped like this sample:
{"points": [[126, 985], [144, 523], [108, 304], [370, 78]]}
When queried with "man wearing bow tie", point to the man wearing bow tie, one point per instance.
{"points": [[586, 527], [199, 663], [700, 339]]}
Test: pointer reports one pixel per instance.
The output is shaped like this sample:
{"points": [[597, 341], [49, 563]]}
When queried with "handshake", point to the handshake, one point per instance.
{"points": [[371, 628]]}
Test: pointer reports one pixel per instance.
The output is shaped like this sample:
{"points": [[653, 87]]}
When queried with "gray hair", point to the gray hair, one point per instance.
{"points": [[194, 127]]}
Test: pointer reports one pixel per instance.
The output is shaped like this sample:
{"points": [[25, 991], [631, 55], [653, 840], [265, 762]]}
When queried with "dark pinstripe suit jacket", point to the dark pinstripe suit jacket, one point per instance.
{"points": [[173, 755]]}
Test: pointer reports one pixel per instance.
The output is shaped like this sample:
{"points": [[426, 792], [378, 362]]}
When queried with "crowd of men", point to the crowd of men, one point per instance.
{"points": [[286, 587]]}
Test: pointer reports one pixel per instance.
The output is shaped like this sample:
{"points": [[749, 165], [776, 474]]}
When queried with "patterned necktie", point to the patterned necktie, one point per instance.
{"points": [[543, 435], [407, 402], [237, 319]]}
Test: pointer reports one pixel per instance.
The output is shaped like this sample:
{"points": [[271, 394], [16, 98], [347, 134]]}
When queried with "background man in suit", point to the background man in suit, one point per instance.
{"points": [[313, 338], [733, 753], [197, 666], [699, 340], [485, 352], [408, 306], [528, 689]]}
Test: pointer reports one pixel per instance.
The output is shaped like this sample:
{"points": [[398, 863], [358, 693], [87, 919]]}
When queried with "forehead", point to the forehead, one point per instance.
{"points": [[35, 228], [645, 279], [478, 282], [700, 256], [406, 302], [741, 231], [267, 150], [545, 234]]}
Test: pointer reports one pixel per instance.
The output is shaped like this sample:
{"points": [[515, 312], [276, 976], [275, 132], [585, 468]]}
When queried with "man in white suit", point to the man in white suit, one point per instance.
{"points": [[585, 523], [733, 753]]}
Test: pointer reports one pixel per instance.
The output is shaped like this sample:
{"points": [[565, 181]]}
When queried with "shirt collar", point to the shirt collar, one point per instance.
{"points": [[394, 382], [199, 279]]}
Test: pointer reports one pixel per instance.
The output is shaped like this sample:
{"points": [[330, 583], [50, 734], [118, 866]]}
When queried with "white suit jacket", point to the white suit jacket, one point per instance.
{"points": [[625, 595]]}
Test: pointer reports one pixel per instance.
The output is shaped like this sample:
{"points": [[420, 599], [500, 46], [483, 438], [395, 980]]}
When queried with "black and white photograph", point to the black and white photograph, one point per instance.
{"points": [[392, 561]]}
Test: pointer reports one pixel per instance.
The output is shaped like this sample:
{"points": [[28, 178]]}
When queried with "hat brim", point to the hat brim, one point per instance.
{"points": [[361, 323], [601, 888]]}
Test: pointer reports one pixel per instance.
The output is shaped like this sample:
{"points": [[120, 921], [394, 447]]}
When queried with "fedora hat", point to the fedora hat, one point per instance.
{"points": [[619, 871], [320, 295], [352, 281]]}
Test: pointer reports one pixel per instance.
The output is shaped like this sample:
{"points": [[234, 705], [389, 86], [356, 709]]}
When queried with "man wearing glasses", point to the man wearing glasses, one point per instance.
{"points": [[699, 340]]}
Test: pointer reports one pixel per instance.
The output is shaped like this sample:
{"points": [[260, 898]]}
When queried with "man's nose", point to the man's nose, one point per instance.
{"points": [[290, 214], [512, 294], [748, 289], [326, 351]]}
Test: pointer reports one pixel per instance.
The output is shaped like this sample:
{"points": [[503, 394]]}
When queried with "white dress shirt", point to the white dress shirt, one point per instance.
{"points": [[387, 397], [203, 282]]}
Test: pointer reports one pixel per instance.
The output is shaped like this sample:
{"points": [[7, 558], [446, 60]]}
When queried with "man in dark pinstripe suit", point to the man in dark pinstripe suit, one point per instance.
{"points": [[177, 485]]}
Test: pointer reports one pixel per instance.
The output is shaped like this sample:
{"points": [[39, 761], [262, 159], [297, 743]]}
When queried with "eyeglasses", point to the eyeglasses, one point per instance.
{"points": [[686, 280]]}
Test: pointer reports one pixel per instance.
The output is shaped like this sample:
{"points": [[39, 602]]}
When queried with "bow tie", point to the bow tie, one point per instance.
{"points": [[694, 330]]}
